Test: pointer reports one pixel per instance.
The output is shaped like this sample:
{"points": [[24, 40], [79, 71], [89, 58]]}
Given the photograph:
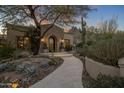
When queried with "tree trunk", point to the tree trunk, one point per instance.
{"points": [[84, 72], [35, 46], [35, 42]]}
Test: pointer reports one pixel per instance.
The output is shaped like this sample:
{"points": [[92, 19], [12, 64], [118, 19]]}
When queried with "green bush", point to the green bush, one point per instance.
{"points": [[56, 61], [103, 81], [52, 63], [6, 51], [79, 45], [68, 48], [82, 51], [105, 47], [107, 52]]}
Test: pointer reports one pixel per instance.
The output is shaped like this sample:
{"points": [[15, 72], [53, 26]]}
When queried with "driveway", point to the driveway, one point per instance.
{"points": [[68, 75]]}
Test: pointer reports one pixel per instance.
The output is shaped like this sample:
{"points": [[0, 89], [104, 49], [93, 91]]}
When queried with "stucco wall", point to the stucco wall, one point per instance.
{"points": [[70, 37], [58, 33], [12, 36], [94, 68], [14, 31]]}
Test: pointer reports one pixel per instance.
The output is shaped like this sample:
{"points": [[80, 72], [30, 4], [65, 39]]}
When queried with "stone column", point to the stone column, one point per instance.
{"points": [[121, 65]]}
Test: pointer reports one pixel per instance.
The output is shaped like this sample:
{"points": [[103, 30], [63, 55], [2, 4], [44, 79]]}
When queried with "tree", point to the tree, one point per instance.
{"points": [[83, 14], [109, 25], [36, 14], [83, 24]]}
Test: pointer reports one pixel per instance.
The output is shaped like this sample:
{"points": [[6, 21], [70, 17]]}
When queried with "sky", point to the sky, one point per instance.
{"points": [[106, 12]]}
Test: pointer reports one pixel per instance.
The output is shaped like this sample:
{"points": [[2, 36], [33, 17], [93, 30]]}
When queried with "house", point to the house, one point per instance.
{"points": [[2, 39], [53, 39]]}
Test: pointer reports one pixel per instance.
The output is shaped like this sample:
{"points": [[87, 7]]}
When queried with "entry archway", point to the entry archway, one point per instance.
{"points": [[52, 43]]}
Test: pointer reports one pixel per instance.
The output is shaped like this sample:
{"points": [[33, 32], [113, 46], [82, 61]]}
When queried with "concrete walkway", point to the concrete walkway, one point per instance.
{"points": [[68, 75]]}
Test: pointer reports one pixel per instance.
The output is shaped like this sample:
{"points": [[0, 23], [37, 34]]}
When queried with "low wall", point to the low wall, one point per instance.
{"points": [[94, 68]]}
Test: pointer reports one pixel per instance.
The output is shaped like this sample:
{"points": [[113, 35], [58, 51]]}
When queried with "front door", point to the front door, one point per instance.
{"points": [[52, 44]]}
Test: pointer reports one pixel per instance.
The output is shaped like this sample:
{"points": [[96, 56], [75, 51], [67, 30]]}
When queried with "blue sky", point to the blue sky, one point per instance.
{"points": [[106, 12]]}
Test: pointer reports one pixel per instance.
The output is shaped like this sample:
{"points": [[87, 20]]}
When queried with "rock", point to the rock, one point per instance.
{"points": [[24, 54], [18, 60], [6, 60], [7, 78]]}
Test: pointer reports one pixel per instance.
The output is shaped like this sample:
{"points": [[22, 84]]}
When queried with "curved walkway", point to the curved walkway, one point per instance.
{"points": [[68, 75]]}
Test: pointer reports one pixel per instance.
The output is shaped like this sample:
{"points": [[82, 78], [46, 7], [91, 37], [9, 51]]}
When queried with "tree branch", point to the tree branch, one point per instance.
{"points": [[26, 12], [50, 26], [33, 16], [44, 17], [36, 7]]}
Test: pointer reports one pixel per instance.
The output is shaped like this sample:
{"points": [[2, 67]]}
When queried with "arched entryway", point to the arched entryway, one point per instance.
{"points": [[52, 43]]}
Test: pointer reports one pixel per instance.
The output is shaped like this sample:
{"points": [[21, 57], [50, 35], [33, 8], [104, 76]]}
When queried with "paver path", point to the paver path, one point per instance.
{"points": [[68, 75]]}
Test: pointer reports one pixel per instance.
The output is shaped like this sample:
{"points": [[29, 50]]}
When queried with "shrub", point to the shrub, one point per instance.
{"points": [[26, 69], [79, 45], [107, 52], [82, 51], [16, 54], [6, 51], [30, 70], [103, 81], [52, 63], [68, 47], [56, 61], [45, 46]]}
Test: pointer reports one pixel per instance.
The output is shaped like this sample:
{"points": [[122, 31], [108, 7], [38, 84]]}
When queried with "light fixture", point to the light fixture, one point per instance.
{"points": [[15, 84], [42, 40], [62, 40], [26, 38]]}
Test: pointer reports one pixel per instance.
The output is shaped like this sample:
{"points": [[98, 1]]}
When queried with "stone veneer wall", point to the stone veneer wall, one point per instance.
{"points": [[94, 68]]}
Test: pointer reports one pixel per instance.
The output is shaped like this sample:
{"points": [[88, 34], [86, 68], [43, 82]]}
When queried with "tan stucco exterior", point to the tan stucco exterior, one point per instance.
{"points": [[70, 37], [55, 32], [13, 31], [12, 34]]}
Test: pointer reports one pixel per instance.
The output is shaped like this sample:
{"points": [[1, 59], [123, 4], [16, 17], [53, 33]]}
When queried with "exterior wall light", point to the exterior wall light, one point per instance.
{"points": [[15, 84], [26, 38], [62, 40], [42, 40]]}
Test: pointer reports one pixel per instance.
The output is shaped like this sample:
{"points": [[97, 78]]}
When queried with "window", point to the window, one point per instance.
{"points": [[22, 41], [66, 42], [67, 45]]}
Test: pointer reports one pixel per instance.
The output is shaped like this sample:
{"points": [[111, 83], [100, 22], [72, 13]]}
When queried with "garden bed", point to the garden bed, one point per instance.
{"points": [[25, 72]]}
